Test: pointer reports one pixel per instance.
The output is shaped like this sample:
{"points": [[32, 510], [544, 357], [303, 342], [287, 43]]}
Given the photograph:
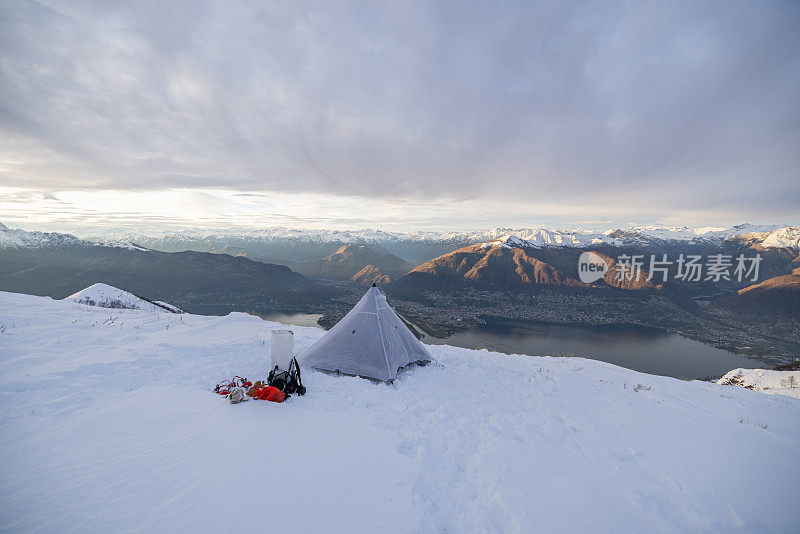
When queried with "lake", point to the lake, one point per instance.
{"points": [[299, 319], [638, 348]]}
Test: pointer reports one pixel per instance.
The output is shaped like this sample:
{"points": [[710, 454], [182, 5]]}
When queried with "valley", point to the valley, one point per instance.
{"points": [[441, 314]]}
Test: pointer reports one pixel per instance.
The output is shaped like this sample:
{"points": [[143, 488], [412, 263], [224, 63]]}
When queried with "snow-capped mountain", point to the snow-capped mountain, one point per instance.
{"points": [[788, 237], [508, 241], [297, 245], [765, 236], [106, 296], [537, 235], [19, 239]]}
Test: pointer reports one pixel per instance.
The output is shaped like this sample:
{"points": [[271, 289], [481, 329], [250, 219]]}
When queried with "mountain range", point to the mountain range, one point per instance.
{"points": [[293, 247], [57, 265], [514, 264], [509, 263]]}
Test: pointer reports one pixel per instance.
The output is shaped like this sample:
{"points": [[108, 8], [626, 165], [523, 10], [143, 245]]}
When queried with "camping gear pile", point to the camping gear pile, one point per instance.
{"points": [[279, 386]]}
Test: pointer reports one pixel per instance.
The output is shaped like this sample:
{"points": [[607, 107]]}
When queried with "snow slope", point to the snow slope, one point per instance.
{"points": [[106, 296], [766, 380], [107, 424]]}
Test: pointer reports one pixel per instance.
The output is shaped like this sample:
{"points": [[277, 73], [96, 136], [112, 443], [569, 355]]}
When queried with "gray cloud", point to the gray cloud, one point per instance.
{"points": [[674, 106]]}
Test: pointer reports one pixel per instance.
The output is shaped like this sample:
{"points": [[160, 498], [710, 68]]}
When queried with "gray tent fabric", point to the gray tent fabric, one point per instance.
{"points": [[370, 341]]}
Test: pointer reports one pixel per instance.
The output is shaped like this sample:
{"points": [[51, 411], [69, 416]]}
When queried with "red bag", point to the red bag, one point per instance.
{"points": [[269, 393]]}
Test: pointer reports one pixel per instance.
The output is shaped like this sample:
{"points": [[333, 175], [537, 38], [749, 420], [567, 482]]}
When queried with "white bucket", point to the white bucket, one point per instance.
{"points": [[281, 349]]}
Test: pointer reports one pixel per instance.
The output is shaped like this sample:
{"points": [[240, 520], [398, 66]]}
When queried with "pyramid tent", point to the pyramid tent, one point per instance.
{"points": [[370, 341]]}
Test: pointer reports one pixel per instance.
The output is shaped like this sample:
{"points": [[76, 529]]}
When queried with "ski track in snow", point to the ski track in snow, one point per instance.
{"points": [[108, 424]]}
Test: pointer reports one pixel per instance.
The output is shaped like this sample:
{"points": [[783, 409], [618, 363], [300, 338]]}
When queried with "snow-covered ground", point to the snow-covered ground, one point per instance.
{"points": [[107, 424], [768, 381]]}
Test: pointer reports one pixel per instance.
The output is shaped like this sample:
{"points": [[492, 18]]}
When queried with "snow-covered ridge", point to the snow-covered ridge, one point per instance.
{"points": [[106, 296], [766, 235], [766, 380], [320, 236], [111, 425], [783, 237], [169, 307], [508, 241], [16, 238]]}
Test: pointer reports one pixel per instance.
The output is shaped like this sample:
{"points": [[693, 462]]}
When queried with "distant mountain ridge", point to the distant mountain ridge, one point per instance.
{"points": [[767, 236], [14, 238], [357, 262], [537, 235], [291, 247]]}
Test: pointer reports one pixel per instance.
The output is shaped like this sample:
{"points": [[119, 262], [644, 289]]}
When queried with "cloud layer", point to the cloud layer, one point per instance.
{"points": [[677, 107]]}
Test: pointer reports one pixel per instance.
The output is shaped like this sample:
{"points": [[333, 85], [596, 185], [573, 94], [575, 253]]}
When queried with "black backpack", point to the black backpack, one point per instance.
{"points": [[287, 381]]}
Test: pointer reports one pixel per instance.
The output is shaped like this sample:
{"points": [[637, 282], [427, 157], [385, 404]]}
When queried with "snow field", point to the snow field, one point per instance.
{"points": [[108, 424]]}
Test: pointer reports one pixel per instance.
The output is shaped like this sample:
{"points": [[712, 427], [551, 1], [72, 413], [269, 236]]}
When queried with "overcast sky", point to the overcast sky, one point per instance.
{"points": [[406, 115]]}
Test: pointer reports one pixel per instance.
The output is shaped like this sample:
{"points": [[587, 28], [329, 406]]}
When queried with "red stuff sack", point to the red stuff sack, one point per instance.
{"points": [[269, 393]]}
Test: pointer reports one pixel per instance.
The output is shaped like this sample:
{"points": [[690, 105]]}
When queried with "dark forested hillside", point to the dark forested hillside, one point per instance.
{"points": [[195, 281]]}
